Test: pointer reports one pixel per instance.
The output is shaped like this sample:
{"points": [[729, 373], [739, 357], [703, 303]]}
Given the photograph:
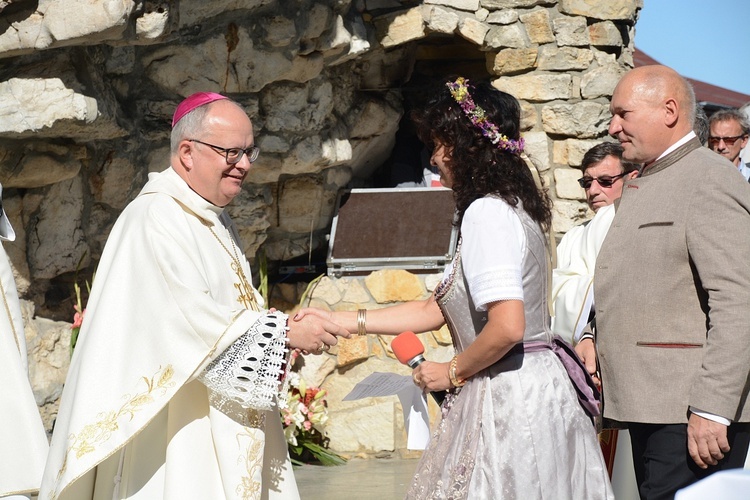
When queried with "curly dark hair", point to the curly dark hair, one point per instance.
{"points": [[479, 167]]}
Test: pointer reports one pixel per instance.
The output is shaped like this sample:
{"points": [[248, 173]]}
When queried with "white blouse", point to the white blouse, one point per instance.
{"points": [[493, 243]]}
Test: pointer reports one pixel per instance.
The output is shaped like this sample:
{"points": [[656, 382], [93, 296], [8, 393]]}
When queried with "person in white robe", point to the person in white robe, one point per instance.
{"points": [[173, 385], [23, 440], [604, 173]]}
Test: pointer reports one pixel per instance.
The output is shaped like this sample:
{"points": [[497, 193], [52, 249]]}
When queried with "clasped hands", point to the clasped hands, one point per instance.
{"points": [[313, 332]]}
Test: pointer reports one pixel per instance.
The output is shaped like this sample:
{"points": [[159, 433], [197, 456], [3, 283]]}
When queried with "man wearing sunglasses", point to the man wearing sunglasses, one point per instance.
{"points": [[728, 136], [604, 173], [173, 387]]}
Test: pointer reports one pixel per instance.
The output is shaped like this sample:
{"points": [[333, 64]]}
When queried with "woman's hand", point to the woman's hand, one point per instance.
{"points": [[431, 376]]}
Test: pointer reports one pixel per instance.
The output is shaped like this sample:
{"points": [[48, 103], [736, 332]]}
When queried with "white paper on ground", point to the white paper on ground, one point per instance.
{"points": [[413, 403]]}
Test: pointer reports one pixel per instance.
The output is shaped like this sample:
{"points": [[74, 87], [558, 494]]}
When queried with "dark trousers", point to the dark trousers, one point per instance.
{"points": [[663, 464]]}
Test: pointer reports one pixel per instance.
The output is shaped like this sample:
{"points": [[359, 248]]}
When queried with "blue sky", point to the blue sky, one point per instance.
{"points": [[708, 40]]}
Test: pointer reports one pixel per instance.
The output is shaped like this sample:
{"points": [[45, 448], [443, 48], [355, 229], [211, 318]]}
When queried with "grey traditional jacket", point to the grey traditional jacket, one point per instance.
{"points": [[672, 292]]}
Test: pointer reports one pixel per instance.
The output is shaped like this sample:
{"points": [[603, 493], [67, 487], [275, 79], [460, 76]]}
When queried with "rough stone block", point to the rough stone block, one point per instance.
{"points": [[401, 27], [571, 31], [566, 184], [552, 58], [583, 119], [536, 86], [611, 9], [473, 30], [509, 61], [394, 285], [538, 26], [605, 34]]}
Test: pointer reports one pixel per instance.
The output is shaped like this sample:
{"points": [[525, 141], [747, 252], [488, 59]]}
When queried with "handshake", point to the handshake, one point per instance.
{"points": [[314, 331]]}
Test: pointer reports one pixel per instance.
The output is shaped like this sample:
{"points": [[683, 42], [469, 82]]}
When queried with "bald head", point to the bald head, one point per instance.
{"points": [[652, 108]]}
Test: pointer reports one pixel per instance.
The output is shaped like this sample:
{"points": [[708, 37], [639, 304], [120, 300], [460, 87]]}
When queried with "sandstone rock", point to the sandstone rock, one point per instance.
{"points": [[509, 61], [394, 285], [472, 30], [600, 82], [470, 5], [571, 31], [352, 350], [511, 36], [567, 214], [584, 119], [441, 20], [536, 86], [537, 149], [400, 27], [528, 116], [505, 16], [605, 34], [566, 184], [564, 58], [612, 9], [538, 26], [354, 291], [327, 291], [571, 151]]}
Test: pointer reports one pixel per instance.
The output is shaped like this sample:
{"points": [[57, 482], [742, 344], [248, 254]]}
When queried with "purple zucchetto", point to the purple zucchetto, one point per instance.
{"points": [[196, 100]]}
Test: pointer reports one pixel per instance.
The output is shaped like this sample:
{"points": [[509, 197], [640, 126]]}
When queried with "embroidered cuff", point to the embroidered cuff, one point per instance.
{"points": [[496, 284], [249, 371]]}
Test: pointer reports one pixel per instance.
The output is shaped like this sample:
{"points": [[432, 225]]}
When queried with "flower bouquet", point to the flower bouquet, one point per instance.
{"points": [[303, 420]]}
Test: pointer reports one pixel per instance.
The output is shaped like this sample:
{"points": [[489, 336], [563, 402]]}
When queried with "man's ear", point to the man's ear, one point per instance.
{"points": [[672, 111], [631, 175], [185, 152]]}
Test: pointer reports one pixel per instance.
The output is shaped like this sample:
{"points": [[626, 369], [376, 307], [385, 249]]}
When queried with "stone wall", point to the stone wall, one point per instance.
{"points": [[87, 89]]}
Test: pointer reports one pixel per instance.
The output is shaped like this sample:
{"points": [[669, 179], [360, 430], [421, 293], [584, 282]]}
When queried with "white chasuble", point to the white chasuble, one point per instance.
{"points": [[168, 316], [23, 441], [573, 278]]}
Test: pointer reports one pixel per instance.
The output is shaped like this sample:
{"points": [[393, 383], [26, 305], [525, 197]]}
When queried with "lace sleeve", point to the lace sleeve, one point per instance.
{"points": [[249, 371]]}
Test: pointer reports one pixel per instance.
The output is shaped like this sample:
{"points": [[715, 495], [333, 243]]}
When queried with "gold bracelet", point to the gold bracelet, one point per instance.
{"points": [[452, 374], [361, 322]]}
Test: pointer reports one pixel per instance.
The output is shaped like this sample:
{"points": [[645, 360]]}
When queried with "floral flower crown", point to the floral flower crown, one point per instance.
{"points": [[460, 92]]}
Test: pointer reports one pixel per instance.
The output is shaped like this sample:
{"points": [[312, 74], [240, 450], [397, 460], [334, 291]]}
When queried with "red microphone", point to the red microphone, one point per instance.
{"points": [[408, 350]]}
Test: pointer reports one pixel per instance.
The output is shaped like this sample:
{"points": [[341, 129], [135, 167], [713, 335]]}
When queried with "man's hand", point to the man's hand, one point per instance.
{"points": [[707, 440], [314, 333], [587, 352]]}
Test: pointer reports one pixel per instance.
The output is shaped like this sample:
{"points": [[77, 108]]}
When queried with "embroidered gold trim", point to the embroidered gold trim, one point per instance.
{"points": [[99, 432], [249, 487]]}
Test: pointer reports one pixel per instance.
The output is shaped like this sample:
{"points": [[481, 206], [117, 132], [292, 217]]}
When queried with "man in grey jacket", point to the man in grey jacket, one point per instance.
{"points": [[672, 292]]}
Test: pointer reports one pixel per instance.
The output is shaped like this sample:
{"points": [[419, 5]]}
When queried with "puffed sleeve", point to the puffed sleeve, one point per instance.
{"points": [[492, 248]]}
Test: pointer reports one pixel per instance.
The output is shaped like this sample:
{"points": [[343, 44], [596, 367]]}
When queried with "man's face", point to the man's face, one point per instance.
{"points": [[226, 126], [726, 138], [637, 122], [597, 195]]}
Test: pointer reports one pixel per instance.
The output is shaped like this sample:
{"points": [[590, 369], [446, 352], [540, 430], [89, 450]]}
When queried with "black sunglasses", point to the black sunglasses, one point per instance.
{"points": [[233, 155], [604, 181]]}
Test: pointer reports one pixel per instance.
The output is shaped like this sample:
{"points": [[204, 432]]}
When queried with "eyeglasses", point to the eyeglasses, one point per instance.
{"points": [[729, 141], [604, 181], [233, 155]]}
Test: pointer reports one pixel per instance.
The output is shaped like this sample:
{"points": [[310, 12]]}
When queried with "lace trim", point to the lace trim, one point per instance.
{"points": [[442, 289], [500, 283], [248, 372]]}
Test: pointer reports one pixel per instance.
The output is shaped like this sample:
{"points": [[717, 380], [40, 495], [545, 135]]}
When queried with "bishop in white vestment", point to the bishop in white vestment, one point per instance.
{"points": [[172, 389]]}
